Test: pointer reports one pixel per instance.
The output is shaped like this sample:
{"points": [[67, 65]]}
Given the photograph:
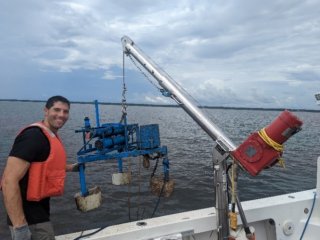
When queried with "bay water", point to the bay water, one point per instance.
{"points": [[190, 155]]}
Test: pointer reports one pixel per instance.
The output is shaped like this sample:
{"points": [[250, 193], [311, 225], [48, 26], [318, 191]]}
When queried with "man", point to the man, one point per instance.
{"points": [[34, 172]]}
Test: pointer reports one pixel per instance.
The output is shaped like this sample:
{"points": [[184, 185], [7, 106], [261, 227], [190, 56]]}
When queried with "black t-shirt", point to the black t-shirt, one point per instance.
{"points": [[33, 146]]}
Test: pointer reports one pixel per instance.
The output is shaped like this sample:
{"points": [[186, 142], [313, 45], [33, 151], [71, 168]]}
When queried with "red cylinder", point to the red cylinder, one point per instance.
{"points": [[283, 127], [255, 154]]}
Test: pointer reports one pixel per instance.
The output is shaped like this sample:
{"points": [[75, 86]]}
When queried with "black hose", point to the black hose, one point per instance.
{"points": [[90, 234], [158, 201]]}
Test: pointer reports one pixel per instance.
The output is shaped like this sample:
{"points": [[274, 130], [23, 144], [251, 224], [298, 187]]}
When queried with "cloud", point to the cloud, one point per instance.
{"points": [[305, 76], [227, 53], [157, 100]]}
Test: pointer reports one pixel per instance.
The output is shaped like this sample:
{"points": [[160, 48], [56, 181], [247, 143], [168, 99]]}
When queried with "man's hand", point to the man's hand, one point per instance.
{"points": [[22, 233], [74, 167]]}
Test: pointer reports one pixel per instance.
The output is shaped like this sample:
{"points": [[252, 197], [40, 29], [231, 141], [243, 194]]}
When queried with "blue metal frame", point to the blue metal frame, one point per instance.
{"points": [[118, 141]]}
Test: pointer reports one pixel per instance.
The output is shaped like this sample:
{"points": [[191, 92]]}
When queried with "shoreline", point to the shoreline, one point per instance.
{"points": [[171, 105]]}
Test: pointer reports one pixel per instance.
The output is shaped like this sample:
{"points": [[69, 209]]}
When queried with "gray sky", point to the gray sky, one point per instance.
{"points": [[224, 53]]}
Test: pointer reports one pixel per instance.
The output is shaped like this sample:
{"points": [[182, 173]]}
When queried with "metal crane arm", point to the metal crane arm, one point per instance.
{"points": [[177, 93]]}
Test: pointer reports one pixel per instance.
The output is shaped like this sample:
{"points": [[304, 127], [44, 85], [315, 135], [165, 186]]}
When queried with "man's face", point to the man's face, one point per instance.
{"points": [[56, 116]]}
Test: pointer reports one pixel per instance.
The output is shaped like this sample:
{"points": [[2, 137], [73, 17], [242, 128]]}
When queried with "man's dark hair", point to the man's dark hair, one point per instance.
{"points": [[54, 99]]}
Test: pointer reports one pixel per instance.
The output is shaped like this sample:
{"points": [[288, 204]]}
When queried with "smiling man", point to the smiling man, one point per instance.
{"points": [[35, 171]]}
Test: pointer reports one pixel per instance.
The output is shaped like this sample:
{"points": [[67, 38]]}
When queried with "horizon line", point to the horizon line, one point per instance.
{"points": [[170, 105]]}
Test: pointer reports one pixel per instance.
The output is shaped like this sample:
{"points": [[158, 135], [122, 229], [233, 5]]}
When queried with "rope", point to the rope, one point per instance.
{"points": [[161, 191], [276, 146], [155, 168], [233, 183], [158, 201], [139, 189], [89, 234], [233, 215], [124, 90], [129, 191], [144, 74]]}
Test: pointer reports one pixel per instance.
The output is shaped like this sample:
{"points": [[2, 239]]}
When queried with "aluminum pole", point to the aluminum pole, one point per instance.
{"points": [[177, 94]]}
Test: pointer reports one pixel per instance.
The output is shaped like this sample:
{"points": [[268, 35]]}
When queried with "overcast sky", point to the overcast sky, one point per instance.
{"points": [[245, 53]]}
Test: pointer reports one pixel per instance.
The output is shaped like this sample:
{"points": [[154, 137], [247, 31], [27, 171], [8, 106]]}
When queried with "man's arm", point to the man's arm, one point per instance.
{"points": [[14, 171]]}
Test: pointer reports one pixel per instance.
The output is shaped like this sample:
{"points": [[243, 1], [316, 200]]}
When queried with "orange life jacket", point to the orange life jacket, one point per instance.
{"points": [[46, 179]]}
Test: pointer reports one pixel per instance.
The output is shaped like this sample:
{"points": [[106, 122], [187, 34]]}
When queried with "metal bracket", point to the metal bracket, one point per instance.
{"points": [[221, 190]]}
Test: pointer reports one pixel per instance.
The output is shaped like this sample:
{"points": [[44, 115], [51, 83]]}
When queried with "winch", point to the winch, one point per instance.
{"points": [[117, 141], [264, 148]]}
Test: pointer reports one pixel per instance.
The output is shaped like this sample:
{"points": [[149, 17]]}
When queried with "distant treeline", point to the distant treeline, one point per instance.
{"points": [[170, 105]]}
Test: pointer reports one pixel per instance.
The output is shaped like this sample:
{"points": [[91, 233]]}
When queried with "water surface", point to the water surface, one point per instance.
{"points": [[189, 153]]}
